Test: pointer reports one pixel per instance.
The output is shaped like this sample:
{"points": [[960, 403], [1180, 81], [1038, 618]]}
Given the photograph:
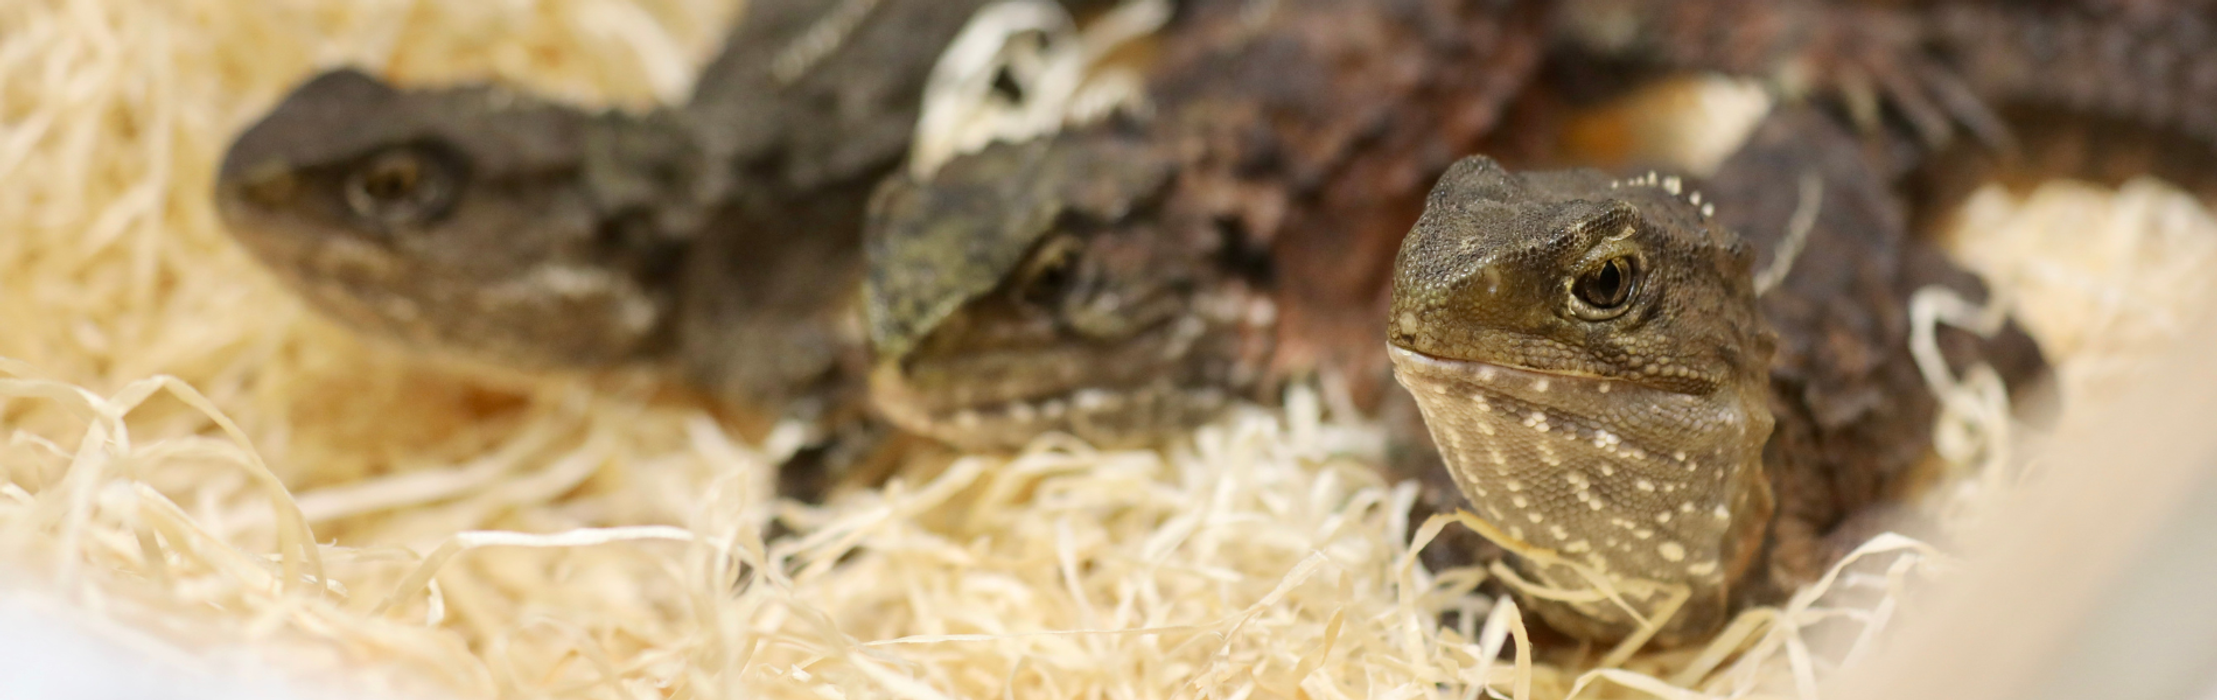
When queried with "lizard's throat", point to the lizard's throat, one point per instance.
{"points": [[1584, 477]]}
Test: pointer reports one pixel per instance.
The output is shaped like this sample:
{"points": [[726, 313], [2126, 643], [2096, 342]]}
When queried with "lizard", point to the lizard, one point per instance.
{"points": [[1624, 397], [1828, 369], [718, 239], [1123, 280]]}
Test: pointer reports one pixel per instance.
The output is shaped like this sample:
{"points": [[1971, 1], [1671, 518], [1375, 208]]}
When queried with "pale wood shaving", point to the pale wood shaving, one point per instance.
{"points": [[203, 468]]}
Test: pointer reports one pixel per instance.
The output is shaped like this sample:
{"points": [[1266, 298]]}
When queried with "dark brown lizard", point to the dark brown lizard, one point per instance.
{"points": [[720, 238], [1127, 280], [1619, 404]]}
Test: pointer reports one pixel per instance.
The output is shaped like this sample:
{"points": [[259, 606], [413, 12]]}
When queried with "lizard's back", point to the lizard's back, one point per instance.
{"points": [[808, 107], [1854, 415]]}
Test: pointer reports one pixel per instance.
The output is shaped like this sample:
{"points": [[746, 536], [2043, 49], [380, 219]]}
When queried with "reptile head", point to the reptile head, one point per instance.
{"points": [[1589, 358], [1052, 286], [468, 219]]}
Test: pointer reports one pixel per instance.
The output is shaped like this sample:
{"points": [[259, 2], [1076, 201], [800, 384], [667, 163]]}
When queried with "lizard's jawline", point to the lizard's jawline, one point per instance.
{"points": [[1103, 416]]}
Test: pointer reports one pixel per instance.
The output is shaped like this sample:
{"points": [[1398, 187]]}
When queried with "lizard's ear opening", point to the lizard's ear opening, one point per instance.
{"points": [[403, 186]]}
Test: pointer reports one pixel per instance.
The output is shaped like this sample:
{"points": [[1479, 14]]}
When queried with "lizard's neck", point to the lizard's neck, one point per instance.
{"points": [[1590, 479]]}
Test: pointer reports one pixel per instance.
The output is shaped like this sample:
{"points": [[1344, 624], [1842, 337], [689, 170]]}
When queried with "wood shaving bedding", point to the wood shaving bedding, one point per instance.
{"points": [[200, 467]]}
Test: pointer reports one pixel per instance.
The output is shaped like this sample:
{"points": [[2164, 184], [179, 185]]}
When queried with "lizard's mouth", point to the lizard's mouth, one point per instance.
{"points": [[1427, 364], [1104, 415], [1585, 476], [1132, 391]]}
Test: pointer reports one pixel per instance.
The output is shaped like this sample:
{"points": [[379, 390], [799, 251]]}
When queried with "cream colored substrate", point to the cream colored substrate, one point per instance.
{"points": [[200, 469]]}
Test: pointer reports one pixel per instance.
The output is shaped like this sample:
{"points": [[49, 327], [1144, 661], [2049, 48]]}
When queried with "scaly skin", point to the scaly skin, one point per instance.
{"points": [[1611, 393], [1125, 281]]}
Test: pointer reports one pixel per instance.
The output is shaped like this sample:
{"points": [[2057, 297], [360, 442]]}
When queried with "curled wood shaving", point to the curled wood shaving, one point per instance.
{"points": [[195, 464]]}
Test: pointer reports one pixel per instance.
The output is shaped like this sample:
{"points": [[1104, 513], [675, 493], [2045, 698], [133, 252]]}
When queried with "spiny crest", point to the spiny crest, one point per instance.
{"points": [[1673, 185]]}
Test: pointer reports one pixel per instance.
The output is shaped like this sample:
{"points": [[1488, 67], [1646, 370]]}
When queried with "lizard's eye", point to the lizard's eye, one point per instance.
{"points": [[400, 187], [1049, 272], [1603, 289]]}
